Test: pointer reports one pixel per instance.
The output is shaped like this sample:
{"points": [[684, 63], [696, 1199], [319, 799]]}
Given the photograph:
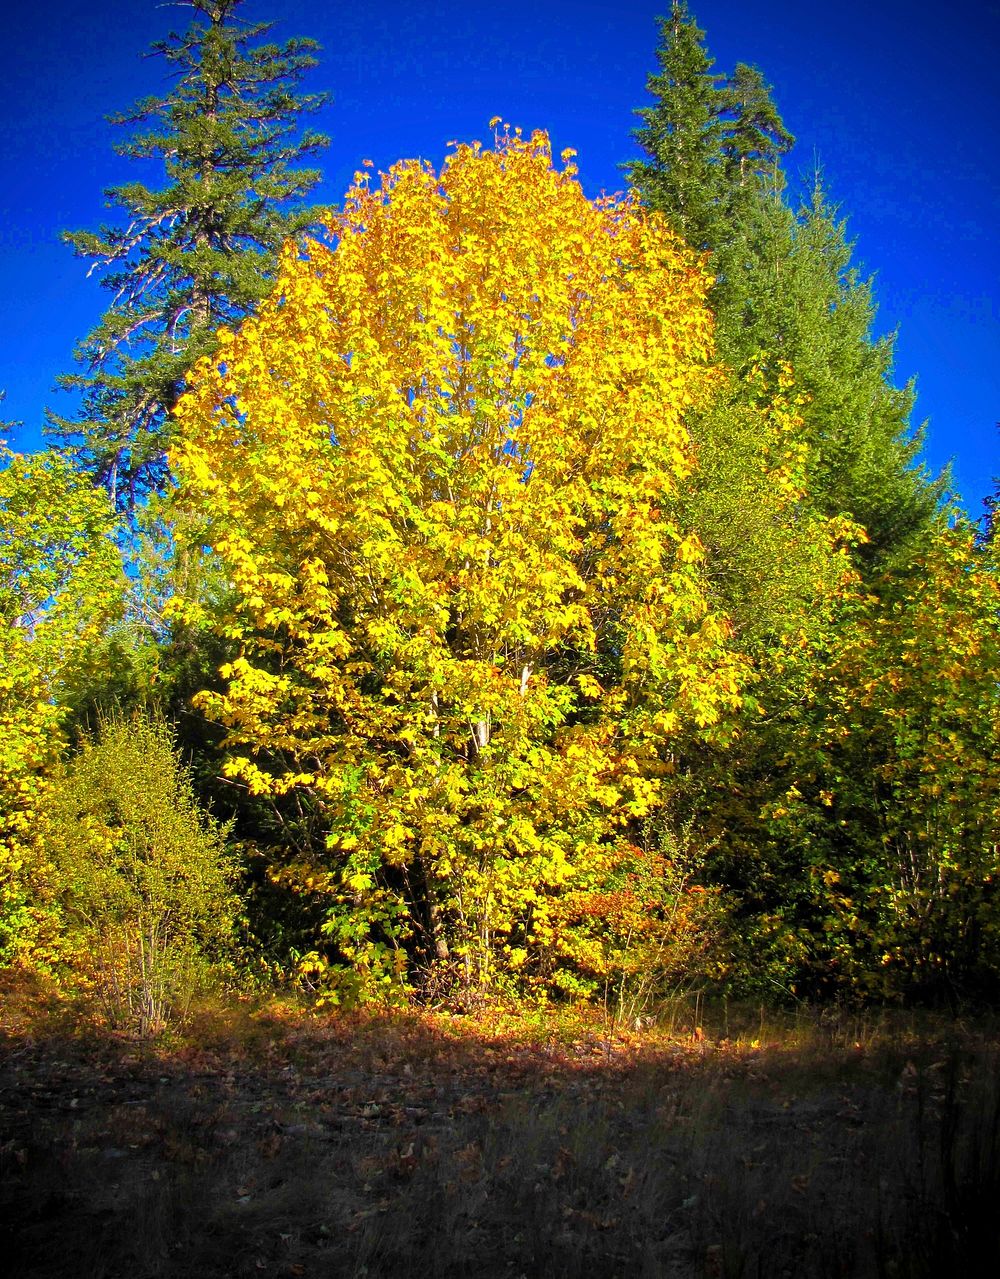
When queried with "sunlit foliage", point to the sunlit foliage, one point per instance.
{"points": [[61, 586], [442, 468], [140, 877]]}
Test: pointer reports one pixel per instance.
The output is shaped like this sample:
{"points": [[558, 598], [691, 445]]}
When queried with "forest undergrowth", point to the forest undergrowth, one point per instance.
{"points": [[268, 1139]]}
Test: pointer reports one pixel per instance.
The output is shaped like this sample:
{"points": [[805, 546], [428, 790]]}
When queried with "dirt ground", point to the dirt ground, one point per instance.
{"points": [[275, 1141]]}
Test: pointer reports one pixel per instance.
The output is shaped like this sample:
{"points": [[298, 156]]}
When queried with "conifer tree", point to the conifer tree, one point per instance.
{"points": [[681, 133], [712, 141], [5, 426], [791, 304], [989, 521], [198, 251], [792, 290], [989, 524], [786, 287], [756, 138]]}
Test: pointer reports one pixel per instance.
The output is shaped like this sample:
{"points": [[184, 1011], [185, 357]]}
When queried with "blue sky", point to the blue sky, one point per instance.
{"points": [[897, 103]]}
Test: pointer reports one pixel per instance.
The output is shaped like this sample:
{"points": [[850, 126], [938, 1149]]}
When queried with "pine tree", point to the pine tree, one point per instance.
{"points": [[682, 133], [5, 426], [785, 283], [198, 252], [756, 137], [789, 297], [792, 290], [989, 523], [713, 142]]}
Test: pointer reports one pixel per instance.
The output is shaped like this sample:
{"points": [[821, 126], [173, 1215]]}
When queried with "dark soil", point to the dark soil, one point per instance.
{"points": [[279, 1142]]}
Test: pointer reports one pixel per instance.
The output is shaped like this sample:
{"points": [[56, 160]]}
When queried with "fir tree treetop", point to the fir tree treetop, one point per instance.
{"points": [[198, 251]]}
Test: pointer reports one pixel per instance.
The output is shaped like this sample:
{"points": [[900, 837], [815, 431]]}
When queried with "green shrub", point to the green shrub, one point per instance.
{"points": [[143, 877]]}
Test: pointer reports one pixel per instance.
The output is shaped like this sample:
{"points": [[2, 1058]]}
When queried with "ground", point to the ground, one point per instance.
{"points": [[271, 1139]]}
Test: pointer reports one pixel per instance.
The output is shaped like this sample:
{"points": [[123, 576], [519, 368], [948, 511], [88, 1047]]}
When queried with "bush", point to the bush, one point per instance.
{"points": [[143, 877], [636, 926]]}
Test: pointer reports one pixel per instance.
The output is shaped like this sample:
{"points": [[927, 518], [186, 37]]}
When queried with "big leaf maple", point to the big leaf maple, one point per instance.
{"points": [[442, 468], [913, 706]]}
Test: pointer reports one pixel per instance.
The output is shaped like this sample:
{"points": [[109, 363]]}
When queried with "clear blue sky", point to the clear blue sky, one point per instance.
{"points": [[897, 101]]}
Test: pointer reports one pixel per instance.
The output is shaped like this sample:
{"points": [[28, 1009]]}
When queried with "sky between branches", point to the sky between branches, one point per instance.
{"points": [[896, 102]]}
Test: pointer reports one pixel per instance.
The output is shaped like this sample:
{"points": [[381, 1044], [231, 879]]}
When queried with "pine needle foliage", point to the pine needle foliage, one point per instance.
{"points": [[197, 252], [786, 288], [711, 141]]}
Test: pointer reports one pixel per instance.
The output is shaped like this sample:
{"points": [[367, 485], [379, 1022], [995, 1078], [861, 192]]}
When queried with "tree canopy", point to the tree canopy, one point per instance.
{"points": [[61, 586], [525, 594], [199, 251], [786, 288], [442, 469]]}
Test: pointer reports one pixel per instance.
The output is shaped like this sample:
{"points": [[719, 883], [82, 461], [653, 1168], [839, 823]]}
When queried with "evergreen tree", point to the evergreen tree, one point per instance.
{"points": [[756, 137], [712, 142], [992, 504], [682, 133], [792, 291], [989, 524], [785, 284], [5, 426], [198, 252], [787, 296]]}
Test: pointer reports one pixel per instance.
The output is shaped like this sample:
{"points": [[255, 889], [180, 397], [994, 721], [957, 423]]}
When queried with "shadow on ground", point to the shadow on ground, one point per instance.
{"points": [[276, 1142]]}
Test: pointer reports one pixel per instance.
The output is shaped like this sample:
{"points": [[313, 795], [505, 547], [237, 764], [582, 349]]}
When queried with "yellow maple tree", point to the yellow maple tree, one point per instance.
{"points": [[441, 468]]}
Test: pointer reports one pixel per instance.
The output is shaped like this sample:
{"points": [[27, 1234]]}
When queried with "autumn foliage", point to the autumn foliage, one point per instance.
{"points": [[61, 588], [442, 467], [896, 756], [519, 640]]}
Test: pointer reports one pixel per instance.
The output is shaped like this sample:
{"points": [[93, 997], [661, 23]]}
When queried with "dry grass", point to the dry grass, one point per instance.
{"points": [[271, 1141]]}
